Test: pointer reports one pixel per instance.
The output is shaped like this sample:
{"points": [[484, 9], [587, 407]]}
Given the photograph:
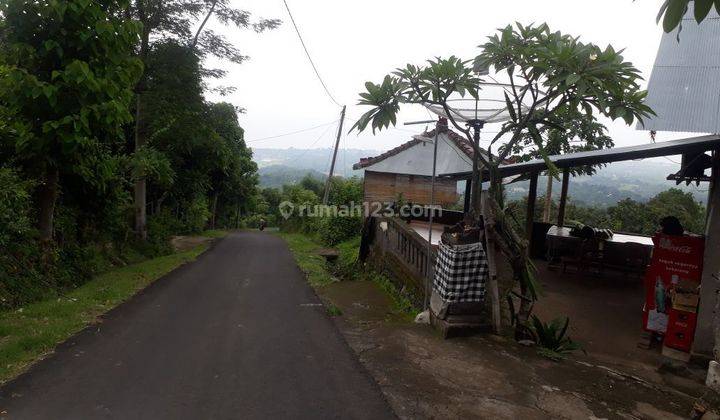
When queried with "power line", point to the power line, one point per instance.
{"points": [[291, 133], [314, 143], [307, 53]]}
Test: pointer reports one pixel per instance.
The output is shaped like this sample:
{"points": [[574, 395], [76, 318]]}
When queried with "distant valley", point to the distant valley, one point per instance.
{"points": [[639, 180], [314, 159]]}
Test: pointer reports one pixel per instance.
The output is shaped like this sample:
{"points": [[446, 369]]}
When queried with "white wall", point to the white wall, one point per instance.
{"points": [[418, 160]]}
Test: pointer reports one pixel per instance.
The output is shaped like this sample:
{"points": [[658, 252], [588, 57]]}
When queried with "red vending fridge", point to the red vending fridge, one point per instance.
{"points": [[672, 284]]}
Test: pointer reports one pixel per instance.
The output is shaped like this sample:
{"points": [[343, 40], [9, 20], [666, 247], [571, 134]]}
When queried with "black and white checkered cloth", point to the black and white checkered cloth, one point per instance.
{"points": [[461, 272]]}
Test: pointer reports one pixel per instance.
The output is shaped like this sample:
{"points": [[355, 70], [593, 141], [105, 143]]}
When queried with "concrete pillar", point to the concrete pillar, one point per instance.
{"points": [[706, 334]]}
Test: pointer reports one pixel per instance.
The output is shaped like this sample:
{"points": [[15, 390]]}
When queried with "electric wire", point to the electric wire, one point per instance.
{"points": [[314, 143], [291, 133], [307, 53]]}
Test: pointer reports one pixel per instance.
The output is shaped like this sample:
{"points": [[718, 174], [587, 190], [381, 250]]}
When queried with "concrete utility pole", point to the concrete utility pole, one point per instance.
{"points": [[332, 166]]}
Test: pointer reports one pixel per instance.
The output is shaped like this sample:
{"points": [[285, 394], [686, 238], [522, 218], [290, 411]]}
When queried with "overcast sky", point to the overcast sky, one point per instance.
{"points": [[356, 41]]}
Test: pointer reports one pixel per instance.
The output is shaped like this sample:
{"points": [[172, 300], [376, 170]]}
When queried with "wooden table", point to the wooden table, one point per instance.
{"points": [[563, 233], [560, 242]]}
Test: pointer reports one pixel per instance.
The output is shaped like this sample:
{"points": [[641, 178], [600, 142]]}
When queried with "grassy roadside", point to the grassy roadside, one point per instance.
{"points": [[319, 274], [312, 264], [214, 234], [29, 333]]}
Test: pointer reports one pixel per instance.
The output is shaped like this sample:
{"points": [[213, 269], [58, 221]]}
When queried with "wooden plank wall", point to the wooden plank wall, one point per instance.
{"points": [[386, 188]]}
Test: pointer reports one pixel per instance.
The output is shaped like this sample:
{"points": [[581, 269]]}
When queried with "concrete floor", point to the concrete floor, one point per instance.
{"points": [[605, 318]]}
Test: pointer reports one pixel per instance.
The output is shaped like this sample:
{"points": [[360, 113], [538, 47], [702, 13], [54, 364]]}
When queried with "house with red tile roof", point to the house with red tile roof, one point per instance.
{"points": [[405, 172]]}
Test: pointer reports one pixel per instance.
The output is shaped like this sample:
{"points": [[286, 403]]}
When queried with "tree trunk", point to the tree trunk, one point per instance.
{"points": [[515, 250], [140, 189], [140, 209], [47, 197], [548, 200], [141, 183], [237, 217], [213, 217], [160, 201]]}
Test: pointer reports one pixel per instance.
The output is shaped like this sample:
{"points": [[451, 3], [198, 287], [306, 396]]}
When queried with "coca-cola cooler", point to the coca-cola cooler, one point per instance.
{"points": [[672, 289]]}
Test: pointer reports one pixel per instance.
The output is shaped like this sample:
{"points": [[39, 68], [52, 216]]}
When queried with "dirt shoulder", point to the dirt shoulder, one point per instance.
{"points": [[486, 376], [186, 243]]}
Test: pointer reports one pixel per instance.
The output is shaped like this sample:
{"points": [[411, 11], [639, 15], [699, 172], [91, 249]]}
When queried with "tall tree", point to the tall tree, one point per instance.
{"points": [[165, 20], [67, 81], [234, 179]]}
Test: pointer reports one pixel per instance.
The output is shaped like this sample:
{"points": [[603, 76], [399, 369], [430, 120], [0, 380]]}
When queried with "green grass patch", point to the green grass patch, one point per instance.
{"points": [[347, 268], [349, 254], [333, 310], [402, 304], [214, 234], [305, 251], [29, 333]]}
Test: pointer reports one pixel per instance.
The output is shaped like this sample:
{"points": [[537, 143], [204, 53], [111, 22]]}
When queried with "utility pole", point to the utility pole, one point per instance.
{"points": [[476, 186], [332, 166]]}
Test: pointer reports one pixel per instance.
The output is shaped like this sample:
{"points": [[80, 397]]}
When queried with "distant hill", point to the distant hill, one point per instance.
{"points": [[639, 180], [275, 176], [312, 159]]}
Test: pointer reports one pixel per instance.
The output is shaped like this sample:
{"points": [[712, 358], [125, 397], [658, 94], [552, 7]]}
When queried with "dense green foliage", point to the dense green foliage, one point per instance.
{"points": [[199, 169], [627, 215], [328, 226], [70, 74]]}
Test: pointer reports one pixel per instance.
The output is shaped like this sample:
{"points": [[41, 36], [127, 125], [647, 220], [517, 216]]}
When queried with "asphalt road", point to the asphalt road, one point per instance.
{"points": [[236, 334]]}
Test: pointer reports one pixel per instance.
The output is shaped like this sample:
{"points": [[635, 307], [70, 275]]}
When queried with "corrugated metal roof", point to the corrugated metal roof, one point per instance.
{"points": [[684, 87], [618, 154]]}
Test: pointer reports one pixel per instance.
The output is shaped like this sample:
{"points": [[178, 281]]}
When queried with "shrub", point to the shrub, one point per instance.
{"points": [[333, 230], [196, 216], [552, 337], [15, 204], [21, 279], [161, 227]]}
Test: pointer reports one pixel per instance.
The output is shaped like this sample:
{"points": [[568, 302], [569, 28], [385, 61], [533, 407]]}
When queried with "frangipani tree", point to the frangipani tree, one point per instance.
{"points": [[672, 11], [548, 74], [579, 132]]}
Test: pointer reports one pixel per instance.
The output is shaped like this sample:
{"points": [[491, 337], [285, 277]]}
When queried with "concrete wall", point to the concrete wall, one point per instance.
{"points": [[399, 252]]}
